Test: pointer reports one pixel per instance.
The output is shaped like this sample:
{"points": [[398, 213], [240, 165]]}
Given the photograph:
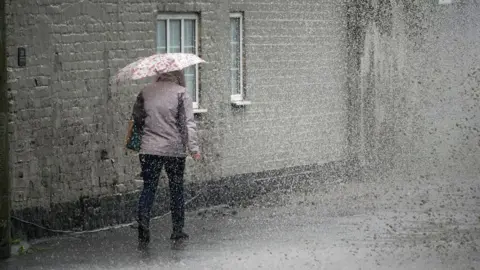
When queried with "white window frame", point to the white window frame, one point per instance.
{"points": [[182, 16], [241, 96]]}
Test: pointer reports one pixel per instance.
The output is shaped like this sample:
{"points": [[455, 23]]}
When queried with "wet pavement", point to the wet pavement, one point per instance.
{"points": [[427, 222]]}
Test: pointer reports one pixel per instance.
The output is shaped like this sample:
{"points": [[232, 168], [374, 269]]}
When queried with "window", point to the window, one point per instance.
{"points": [[236, 50], [178, 33]]}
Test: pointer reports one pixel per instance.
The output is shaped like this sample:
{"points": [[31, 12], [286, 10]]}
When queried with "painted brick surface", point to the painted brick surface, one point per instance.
{"points": [[295, 78], [68, 121]]}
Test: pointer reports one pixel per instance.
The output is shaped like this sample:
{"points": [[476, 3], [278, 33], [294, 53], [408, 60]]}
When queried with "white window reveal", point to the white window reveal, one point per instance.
{"points": [[237, 60], [178, 33]]}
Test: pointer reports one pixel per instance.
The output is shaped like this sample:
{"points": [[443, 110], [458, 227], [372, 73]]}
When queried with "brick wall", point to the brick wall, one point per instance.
{"points": [[67, 122], [420, 87], [295, 66], [62, 106]]}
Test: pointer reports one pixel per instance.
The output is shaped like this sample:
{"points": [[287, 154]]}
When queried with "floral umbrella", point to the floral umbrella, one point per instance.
{"points": [[157, 64]]}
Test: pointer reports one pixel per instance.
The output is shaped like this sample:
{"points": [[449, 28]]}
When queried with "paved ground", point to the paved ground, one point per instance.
{"points": [[425, 223]]}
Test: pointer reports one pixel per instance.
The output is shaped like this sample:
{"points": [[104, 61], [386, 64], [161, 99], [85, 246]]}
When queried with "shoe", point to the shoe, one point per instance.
{"points": [[143, 237], [142, 246], [179, 236]]}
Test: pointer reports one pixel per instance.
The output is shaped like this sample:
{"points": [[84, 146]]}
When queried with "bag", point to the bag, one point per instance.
{"points": [[134, 137]]}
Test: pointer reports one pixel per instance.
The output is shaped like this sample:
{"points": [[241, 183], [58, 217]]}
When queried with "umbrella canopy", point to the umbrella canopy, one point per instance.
{"points": [[157, 64]]}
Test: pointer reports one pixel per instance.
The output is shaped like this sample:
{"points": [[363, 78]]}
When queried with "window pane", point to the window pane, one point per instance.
{"points": [[236, 58], [235, 73], [235, 29], [235, 55], [162, 36], [189, 40], [191, 82], [235, 76], [175, 36]]}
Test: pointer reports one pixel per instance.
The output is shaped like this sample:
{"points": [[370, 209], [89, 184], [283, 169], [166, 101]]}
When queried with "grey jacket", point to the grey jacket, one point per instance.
{"points": [[164, 111]]}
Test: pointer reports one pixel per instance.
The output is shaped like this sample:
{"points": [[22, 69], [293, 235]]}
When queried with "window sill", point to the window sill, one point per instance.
{"points": [[199, 111], [241, 103]]}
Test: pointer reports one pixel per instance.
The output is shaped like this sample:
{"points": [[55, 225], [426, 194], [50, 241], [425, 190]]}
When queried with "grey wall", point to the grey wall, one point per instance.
{"points": [[420, 81], [295, 77], [67, 122]]}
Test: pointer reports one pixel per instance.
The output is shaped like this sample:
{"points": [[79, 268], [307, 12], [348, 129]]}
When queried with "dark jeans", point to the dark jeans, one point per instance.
{"points": [[151, 169]]}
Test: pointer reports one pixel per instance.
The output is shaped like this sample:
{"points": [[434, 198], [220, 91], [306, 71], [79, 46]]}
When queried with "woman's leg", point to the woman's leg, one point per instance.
{"points": [[175, 168], [151, 168]]}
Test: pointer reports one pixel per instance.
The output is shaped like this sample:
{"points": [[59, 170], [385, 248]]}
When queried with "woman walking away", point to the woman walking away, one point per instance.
{"points": [[164, 112]]}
